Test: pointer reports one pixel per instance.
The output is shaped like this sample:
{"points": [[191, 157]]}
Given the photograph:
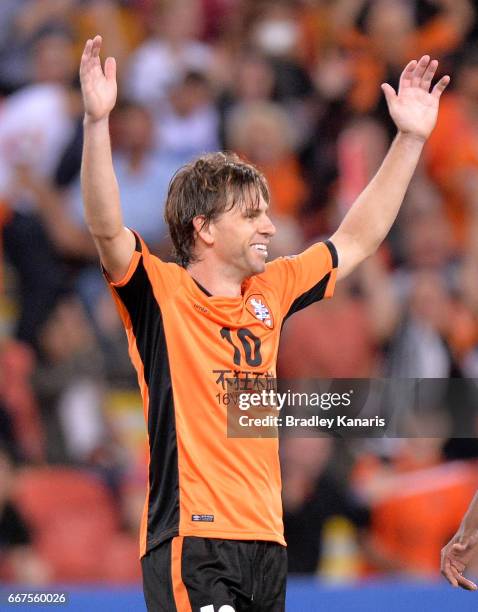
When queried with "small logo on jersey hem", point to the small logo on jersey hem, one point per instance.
{"points": [[203, 518], [257, 306]]}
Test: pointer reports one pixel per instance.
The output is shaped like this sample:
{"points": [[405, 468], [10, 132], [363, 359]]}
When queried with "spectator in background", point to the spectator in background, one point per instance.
{"points": [[416, 500], [143, 173], [318, 21], [424, 240], [435, 328], [264, 135], [423, 345], [360, 146], [392, 37], [18, 560], [245, 79], [28, 139], [188, 123], [312, 494], [253, 79], [276, 34], [453, 150], [166, 56], [25, 136], [68, 384], [22, 22], [22, 429], [122, 24]]}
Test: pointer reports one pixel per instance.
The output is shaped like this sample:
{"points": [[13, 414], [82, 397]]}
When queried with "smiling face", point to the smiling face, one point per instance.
{"points": [[240, 238], [216, 211]]}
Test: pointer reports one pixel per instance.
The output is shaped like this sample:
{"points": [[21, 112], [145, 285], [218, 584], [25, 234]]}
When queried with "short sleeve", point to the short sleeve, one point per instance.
{"points": [[303, 279], [147, 283], [139, 249]]}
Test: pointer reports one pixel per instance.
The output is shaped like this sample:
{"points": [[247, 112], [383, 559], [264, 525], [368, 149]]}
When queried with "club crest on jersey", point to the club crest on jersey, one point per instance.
{"points": [[257, 306]]}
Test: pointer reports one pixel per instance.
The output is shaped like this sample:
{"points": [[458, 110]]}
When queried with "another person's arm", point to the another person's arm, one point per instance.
{"points": [[114, 242], [414, 110], [69, 238], [461, 549]]}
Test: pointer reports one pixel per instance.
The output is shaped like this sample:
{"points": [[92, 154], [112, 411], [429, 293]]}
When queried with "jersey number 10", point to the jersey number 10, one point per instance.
{"points": [[250, 343]]}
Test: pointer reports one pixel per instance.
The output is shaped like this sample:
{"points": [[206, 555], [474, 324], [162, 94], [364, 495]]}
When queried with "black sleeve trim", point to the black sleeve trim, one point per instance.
{"points": [[137, 246], [333, 252], [317, 292], [314, 294]]}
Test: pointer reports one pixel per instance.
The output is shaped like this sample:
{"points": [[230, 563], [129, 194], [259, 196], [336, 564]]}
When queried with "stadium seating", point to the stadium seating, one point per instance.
{"points": [[73, 518]]}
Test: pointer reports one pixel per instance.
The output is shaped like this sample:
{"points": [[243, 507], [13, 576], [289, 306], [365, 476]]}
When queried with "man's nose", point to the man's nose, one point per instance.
{"points": [[268, 227]]}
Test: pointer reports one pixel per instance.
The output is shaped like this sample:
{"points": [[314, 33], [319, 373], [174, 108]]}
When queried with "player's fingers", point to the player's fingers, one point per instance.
{"points": [[428, 75], [459, 547], [440, 86], [458, 565], [420, 70], [110, 68], [97, 40], [447, 572], [406, 76], [457, 578], [464, 583], [86, 54], [389, 92], [87, 48]]}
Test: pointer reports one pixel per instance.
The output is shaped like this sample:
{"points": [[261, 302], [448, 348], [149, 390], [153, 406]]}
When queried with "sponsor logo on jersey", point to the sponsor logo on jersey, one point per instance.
{"points": [[257, 306], [203, 518], [201, 308]]}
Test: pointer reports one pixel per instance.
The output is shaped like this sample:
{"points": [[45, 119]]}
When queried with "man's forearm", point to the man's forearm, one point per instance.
{"points": [[98, 181], [373, 213]]}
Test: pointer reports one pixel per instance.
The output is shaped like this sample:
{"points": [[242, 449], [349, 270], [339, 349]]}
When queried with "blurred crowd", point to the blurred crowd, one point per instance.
{"points": [[294, 87]]}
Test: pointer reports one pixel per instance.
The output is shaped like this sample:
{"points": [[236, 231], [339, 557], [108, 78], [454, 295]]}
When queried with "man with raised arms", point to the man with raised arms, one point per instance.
{"points": [[211, 537]]}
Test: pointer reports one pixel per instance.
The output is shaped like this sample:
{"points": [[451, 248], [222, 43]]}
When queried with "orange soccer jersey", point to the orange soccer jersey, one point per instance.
{"points": [[184, 344]]}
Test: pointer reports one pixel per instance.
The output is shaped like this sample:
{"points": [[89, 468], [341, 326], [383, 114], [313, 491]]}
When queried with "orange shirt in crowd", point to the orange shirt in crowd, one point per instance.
{"points": [[287, 187], [369, 70], [452, 149], [414, 522]]}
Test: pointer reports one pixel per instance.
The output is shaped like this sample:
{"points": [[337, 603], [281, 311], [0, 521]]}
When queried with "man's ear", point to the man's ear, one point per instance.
{"points": [[202, 229]]}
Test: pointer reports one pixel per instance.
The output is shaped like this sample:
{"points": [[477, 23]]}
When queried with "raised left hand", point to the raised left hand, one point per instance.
{"points": [[414, 109]]}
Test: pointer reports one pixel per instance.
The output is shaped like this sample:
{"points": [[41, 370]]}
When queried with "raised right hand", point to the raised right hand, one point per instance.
{"points": [[99, 88]]}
